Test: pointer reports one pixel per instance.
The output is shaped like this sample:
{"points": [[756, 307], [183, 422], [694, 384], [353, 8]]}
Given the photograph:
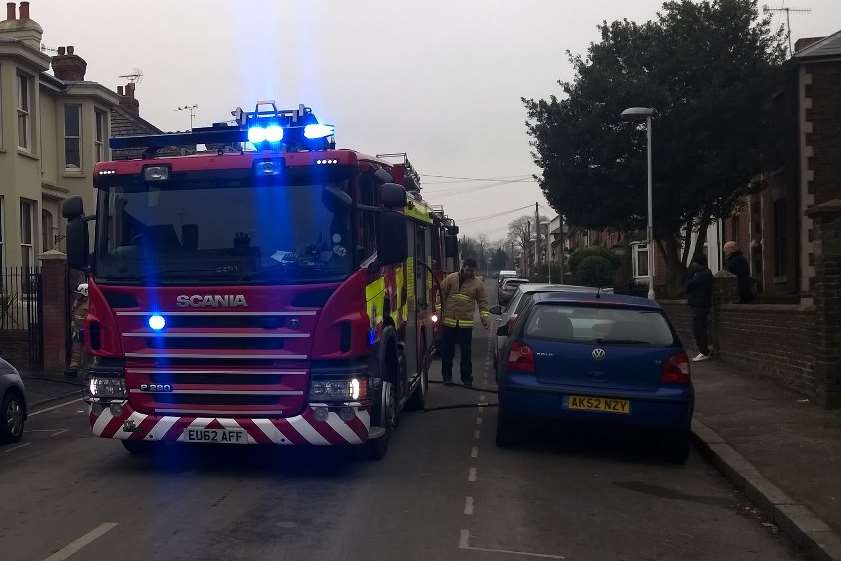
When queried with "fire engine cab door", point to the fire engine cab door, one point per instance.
{"points": [[410, 309]]}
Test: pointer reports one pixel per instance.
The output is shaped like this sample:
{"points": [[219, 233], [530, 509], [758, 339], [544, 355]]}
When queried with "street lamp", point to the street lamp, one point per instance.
{"points": [[646, 114]]}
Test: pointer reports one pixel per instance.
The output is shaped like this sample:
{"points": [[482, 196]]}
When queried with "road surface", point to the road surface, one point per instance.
{"points": [[443, 492]]}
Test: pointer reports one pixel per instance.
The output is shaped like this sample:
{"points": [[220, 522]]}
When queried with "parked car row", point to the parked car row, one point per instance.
{"points": [[588, 357]]}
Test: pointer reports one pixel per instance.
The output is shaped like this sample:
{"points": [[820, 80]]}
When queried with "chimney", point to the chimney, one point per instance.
{"points": [[25, 29], [127, 99], [804, 42], [68, 66]]}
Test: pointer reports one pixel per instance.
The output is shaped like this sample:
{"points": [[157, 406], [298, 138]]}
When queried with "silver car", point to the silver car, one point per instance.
{"points": [[522, 297], [12, 403]]}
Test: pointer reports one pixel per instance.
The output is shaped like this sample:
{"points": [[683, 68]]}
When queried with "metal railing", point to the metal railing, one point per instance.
{"points": [[20, 307]]}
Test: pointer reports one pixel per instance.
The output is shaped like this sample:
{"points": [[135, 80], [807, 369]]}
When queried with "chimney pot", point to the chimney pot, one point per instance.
{"points": [[61, 51], [11, 10], [119, 90], [70, 49], [24, 10]]}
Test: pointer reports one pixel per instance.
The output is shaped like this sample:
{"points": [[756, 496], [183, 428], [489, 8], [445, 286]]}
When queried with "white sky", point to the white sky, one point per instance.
{"points": [[440, 80]]}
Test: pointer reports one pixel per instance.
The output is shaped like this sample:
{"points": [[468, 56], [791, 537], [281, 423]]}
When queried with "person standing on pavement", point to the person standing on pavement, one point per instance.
{"points": [[736, 263], [78, 314], [461, 293], [699, 295]]}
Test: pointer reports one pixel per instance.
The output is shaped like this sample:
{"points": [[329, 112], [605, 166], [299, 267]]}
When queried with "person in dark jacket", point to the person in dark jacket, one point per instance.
{"points": [[735, 263], [699, 295]]}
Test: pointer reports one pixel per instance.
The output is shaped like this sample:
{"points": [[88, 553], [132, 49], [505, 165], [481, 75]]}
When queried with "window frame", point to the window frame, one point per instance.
{"points": [[27, 248], [24, 113], [100, 153], [78, 138], [637, 249], [47, 226]]}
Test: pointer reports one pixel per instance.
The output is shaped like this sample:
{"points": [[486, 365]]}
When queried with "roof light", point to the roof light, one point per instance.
{"points": [[317, 130], [256, 135], [274, 133]]}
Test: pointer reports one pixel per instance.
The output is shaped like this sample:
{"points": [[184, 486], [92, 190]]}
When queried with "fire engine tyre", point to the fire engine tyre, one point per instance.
{"points": [[377, 448], [418, 400], [506, 429], [141, 448], [11, 417]]}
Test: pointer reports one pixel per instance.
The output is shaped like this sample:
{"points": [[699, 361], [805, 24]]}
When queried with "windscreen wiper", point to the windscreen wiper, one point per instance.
{"points": [[620, 342]]}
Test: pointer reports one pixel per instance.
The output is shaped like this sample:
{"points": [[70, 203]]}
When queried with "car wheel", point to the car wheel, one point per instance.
{"points": [[506, 430], [677, 448], [141, 447], [11, 417]]}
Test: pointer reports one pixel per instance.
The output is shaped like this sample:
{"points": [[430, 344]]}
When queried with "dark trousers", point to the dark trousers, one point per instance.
{"points": [[450, 337], [700, 329]]}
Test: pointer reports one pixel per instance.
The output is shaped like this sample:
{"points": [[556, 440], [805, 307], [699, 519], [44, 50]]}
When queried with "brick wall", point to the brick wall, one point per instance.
{"points": [[825, 137], [14, 348], [774, 340]]}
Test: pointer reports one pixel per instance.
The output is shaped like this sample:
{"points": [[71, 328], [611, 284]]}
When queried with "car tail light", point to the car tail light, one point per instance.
{"points": [[520, 358], [676, 370], [511, 322]]}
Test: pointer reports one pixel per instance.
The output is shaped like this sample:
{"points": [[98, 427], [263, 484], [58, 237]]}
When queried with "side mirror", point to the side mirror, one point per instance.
{"points": [[496, 310], [392, 242], [392, 195], [452, 230], [502, 330], [77, 243], [73, 207]]}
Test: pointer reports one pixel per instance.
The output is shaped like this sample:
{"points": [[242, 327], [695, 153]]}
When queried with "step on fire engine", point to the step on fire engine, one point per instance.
{"points": [[269, 290]]}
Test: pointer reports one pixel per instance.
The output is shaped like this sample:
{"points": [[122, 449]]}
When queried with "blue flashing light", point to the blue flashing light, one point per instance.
{"points": [[156, 322], [274, 133], [372, 336], [256, 135], [317, 130]]}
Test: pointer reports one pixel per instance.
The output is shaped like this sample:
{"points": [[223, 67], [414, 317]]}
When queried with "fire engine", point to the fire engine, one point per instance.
{"points": [[270, 289]]}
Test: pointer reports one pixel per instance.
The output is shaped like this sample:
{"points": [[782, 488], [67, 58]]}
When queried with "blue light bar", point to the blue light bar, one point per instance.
{"points": [[317, 130]]}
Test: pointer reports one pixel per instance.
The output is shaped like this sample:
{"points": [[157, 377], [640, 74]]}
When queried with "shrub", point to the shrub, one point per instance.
{"points": [[595, 270]]}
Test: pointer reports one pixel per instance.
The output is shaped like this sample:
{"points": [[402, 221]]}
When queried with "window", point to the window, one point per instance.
{"points": [[640, 260], [24, 104], [72, 134], [99, 138], [27, 257], [780, 238], [367, 233], [2, 230], [47, 234], [585, 324]]}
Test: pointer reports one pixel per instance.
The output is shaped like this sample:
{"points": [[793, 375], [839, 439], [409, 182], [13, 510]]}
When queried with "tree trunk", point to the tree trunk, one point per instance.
{"points": [[675, 269]]}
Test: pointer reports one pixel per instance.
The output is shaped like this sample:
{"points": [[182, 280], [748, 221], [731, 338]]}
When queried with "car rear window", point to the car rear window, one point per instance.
{"points": [[599, 324], [523, 302]]}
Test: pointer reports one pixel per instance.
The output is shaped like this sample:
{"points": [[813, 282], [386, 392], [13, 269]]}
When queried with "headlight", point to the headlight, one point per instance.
{"points": [[339, 390], [114, 388]]}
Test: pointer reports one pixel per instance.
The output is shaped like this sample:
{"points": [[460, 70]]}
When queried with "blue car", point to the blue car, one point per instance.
{"points": [[597, 359]]}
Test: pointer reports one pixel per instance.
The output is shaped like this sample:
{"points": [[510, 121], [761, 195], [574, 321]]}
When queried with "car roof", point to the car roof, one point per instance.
{"points": [[516, 279], [543, 287], [596, 299]]}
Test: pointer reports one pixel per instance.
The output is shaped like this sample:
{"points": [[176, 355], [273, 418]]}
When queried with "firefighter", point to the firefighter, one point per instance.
{"points": [[461, 292], [79, 312]]}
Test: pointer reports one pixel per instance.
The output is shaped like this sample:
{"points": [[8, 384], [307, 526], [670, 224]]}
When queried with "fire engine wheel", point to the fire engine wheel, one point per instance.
{"points": [[418, 400], [376, 449]]}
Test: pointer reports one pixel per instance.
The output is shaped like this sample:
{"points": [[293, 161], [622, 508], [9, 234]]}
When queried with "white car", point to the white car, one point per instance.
{"points": [[508, 288]]}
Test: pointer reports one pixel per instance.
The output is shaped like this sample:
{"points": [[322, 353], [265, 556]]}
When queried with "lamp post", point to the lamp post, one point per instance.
{"points": [[646, 114]]}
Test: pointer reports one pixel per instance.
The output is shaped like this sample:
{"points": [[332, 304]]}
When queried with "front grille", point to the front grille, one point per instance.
{"points": [[213, 343], [214, 399], [227, 321], [220, 379]]}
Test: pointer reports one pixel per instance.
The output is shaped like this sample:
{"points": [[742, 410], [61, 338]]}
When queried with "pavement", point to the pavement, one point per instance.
{"points": [[444, 491], [781, 448], [44, 386]]}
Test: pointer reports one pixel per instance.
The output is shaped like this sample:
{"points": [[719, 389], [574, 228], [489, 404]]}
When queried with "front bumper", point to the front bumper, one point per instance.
{"points": [[301, 430]]}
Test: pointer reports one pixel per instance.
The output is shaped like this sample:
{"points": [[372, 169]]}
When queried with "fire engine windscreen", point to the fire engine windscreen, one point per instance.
{"points": [[222, 232]]}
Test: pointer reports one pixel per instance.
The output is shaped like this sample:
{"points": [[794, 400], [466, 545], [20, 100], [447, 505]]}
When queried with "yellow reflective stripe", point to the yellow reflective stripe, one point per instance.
{"points": [[375, 299], [484, 314], [449, 322], [413, 211], [374, 288]]}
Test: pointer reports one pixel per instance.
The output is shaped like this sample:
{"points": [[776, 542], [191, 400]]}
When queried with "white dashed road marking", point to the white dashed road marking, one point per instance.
{"points": [[478, 420], [471, 474], [474, 452], [464, 543], [476, 434], [58, 432], [17, 447], [47, 409], [77, 544], [468, 506]]}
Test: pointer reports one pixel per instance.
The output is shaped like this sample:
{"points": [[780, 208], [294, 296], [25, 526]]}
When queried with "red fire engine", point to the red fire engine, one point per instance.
{"points": [[280, 292]]}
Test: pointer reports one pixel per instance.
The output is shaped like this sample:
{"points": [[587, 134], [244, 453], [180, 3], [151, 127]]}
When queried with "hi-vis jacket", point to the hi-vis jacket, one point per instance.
{"points": [[460, 298]]}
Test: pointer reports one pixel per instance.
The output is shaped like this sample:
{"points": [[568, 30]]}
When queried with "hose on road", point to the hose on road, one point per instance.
{"points": [[460, 406]]}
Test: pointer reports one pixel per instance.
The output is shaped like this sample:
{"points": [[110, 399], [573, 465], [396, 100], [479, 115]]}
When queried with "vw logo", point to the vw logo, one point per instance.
{"points": [[599, 354]]}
